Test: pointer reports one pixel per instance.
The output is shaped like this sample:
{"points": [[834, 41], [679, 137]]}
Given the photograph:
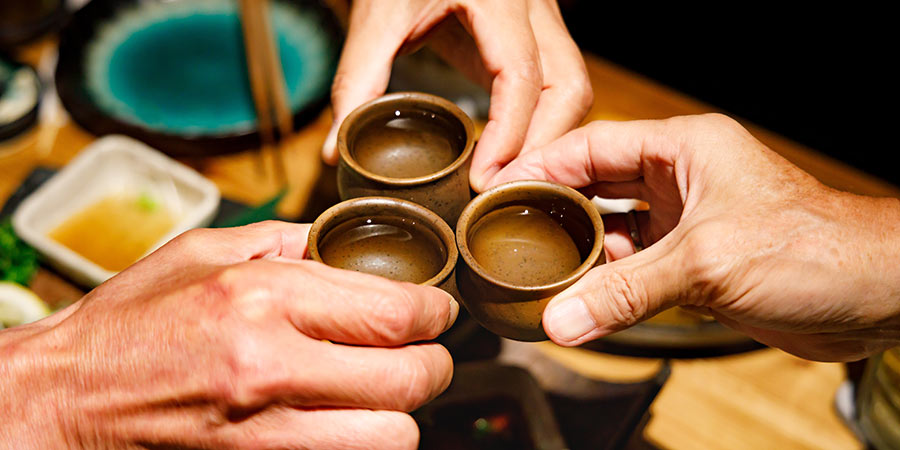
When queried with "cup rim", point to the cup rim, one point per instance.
{"points": [[436, 224], [400, 97], [462, 228]]}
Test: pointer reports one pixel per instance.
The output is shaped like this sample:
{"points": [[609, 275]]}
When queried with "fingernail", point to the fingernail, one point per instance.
{"points": [[570, 319], [454, 311], [329, 147], [479, 183]]}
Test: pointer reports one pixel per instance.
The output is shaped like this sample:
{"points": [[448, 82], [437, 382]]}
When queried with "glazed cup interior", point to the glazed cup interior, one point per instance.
{"points": [[384, 236], [569, 208], [406, 138]]}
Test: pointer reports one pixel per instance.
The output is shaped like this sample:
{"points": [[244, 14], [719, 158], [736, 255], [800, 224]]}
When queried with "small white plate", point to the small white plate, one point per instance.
{"points": [[112, 164]]}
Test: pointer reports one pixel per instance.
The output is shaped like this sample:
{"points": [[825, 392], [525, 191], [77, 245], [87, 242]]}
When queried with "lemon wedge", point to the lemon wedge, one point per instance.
{"points": [[19, 305]]}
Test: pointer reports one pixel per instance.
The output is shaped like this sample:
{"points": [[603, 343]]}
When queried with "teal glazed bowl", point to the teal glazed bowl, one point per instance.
{"points": [[174, 73]]}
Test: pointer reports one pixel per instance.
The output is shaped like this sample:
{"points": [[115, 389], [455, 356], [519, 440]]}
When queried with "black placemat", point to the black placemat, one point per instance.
{"points": [[613, 419], [496, 406]]}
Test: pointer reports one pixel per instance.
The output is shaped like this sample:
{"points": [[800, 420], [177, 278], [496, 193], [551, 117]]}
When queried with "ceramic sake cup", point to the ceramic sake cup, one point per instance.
{"points": [[520, 244], [411, 146]]}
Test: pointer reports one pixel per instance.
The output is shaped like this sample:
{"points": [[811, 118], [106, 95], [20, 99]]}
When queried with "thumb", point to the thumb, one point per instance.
{"points": [[617, 295]]}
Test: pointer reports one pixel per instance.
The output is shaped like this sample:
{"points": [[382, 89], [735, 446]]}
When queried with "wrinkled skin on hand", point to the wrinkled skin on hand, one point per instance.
{"points": [[519, 50], [737, 232], [227, 339]]}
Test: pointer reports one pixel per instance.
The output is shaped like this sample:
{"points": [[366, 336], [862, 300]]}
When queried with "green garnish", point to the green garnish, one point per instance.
{"points": [[18, 261], [147, 203]]}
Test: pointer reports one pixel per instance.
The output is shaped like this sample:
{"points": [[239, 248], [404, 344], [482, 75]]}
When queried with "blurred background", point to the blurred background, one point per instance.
{"points": [[820, 75], [814, 74]]}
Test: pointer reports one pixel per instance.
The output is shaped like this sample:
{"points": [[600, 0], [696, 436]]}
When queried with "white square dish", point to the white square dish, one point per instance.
{"points": [[110, 165]]}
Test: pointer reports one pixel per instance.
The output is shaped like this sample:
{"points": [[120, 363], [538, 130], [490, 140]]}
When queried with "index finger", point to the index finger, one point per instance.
{"points": [[206, 247], [600, 151], [364, 69], [345, 306], [223, 246], [508, 48]]}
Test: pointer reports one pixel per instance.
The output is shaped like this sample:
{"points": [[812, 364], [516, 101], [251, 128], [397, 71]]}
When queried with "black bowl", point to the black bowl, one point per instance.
{"points": [[24, 20], [89, 110], [19, 123]]}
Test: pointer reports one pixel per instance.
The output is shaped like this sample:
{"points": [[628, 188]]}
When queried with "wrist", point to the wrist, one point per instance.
{"points": [[890, 234], [32, 387], [877, 238]]}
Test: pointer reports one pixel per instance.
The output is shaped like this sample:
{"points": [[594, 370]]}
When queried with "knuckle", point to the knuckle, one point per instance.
{"points": [[238, 387], [404, 428], [580, 93], [550, 169], [394, 315], [713, 123], [418, 388], [265, 225], [719, 120], [191, 240], [575, 92], [385, 430], [345, 88], [625, 298], [225, 282], [230, 276], [238, 354], [219, 287], [528, 71], [586, 99], [706, 266], [239, 291], [339, 86]]}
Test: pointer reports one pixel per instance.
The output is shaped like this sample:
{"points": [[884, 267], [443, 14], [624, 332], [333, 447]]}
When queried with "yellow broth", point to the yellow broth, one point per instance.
{"points": [[115, 231]]}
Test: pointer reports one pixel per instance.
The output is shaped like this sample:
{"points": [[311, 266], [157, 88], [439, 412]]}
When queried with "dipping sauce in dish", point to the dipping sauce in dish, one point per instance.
{"points": [[115, 231]]}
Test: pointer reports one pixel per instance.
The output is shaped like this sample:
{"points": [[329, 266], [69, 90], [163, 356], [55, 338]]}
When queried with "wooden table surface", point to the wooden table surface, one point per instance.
{"points": [[763, 399]]}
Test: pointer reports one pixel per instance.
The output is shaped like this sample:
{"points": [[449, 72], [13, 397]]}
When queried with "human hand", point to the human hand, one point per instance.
{"points": [[736, 231], [520, 51], [218, 340]]}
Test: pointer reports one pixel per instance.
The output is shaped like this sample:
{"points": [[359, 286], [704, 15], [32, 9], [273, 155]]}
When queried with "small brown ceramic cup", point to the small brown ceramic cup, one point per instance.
{"points": [[408, 145], [389, 237], [520, 244]]}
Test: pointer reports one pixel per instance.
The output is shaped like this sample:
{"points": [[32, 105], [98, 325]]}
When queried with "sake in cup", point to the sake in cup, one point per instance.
{"points": [[388, 237]]}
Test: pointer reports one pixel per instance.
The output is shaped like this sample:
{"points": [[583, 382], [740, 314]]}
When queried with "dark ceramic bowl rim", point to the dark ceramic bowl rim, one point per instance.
{"points": [[389, 205], [27, 120], [405, 98], [462, 228], [25, 33], [79, 31]]}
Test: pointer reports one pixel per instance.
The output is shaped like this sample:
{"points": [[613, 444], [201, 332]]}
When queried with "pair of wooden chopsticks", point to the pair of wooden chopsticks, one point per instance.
{"points": [[266, 81]]}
